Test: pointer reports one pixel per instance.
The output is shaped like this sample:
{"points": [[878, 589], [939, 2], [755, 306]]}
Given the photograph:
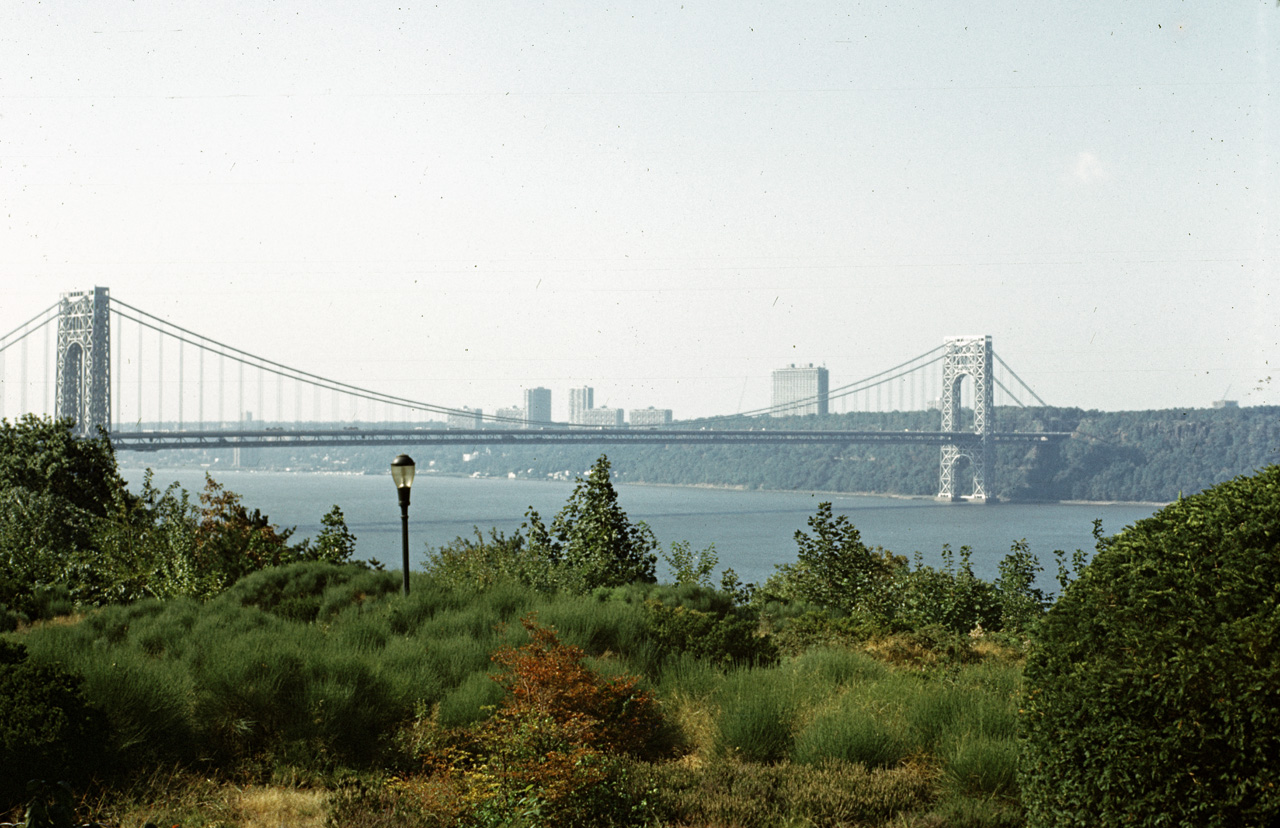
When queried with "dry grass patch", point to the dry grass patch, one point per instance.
{"points": [[695, 720], [275, 807], [69, 620]]}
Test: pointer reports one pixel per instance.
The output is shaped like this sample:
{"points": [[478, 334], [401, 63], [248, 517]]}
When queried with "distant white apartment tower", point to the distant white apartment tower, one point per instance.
{"points": [[580, 400], [466, 418], [649, 416], [510, 418], [603, 417], [537, 407], [799, 390]]}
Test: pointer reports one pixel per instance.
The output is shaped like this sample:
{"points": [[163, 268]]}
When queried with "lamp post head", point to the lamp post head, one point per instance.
{"points": [[402, 470]]}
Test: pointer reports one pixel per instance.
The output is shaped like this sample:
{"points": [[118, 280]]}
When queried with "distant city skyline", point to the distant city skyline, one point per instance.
{"points": [[453, 202]]}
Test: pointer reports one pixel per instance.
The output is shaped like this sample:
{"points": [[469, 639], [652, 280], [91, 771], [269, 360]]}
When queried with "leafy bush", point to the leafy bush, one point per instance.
{"points": [[1152, 691], [47, 729], [950, 596], [835, 569], [552, 753], [694, 619]]}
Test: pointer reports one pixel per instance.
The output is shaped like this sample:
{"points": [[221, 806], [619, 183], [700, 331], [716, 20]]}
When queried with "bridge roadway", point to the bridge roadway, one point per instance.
{"points": [[280, 438]]}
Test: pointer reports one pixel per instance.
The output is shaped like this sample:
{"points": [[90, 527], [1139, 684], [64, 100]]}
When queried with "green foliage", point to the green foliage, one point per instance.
{"points": [[50, 806], [706, 624], [1021, 601], [951, 597], [335, 543], [310, 590], [1153, 686], [54, 487], [689, 567], [468, 563], [868, 593], [835, 569], [68, 522], [591, 543], [47, 729]]}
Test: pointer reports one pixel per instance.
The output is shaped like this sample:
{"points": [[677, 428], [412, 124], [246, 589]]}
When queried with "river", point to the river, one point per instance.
{"points": [[752, 531]]}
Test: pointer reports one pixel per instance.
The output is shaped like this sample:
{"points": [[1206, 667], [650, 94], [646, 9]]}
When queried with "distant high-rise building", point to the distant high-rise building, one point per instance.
{"points": [[606, 417], [537, 407], [649, 416], [466, 418], [510, 418], [580, 400], [799, 390]]}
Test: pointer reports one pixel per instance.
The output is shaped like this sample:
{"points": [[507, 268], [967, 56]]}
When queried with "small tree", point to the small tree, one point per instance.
{"points": [[689, 567], [335, 543], [591, 543]]}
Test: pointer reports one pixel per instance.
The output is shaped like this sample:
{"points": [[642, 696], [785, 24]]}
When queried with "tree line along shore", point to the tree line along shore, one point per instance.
{"points": [[1121, 456]]}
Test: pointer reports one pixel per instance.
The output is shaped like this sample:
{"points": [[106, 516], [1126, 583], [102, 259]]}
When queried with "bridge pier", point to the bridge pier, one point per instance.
{"points": [[969, 356]]}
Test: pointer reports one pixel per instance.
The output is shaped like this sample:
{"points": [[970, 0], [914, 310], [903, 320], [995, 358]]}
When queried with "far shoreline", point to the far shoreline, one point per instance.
{"points": [[710, 486]]}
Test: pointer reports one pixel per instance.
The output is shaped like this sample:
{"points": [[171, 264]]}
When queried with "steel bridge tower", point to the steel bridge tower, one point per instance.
{"points": [[83, 390], [971, 356]]}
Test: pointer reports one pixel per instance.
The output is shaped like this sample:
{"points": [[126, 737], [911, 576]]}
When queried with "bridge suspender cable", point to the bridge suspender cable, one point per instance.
{"points": [[841, 391], [270, 366]]}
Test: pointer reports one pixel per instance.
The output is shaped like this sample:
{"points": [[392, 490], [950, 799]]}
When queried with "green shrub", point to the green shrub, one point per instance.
{"points": [[725, 637], [1152, 691], [471, 701], [47, 729], [951, 597], [298, 591]]}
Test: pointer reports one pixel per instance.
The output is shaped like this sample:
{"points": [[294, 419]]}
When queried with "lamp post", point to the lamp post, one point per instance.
{"points": [[402, 475]]}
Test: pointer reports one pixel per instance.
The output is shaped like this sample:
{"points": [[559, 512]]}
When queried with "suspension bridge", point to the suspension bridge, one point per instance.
{"points": [[102, 363]]}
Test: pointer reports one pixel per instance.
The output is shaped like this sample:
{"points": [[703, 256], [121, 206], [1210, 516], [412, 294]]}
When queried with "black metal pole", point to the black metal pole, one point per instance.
{"points": [[404, 534]]}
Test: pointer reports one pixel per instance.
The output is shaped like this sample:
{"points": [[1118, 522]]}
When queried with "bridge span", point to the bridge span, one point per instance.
{"points": [[215, 439], [89, 361]]}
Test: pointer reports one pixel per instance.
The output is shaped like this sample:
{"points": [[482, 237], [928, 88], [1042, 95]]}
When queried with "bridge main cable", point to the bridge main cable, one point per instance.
{"points": [[25, 324]]}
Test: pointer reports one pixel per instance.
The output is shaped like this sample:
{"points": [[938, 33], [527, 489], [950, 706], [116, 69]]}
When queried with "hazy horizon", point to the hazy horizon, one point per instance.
{"points": [[665, 202]]}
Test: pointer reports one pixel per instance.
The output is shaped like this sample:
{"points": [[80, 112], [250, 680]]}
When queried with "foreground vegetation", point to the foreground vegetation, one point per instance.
{"points": [[222, 676], [322, 676]]}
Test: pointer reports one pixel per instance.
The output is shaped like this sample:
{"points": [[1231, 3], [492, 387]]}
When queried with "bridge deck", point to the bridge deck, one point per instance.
{"points": [[167, 440]]}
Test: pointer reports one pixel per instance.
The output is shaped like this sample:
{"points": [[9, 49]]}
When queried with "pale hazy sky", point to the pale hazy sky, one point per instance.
{"points": [[663, 200]]}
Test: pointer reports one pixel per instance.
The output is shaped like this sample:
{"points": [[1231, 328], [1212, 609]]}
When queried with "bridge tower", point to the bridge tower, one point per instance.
{"points": [[83, 390], [968, 356]]}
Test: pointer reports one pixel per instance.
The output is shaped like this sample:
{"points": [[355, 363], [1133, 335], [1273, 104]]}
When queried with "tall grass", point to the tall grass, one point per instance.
{"points": [[758, 709]]}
